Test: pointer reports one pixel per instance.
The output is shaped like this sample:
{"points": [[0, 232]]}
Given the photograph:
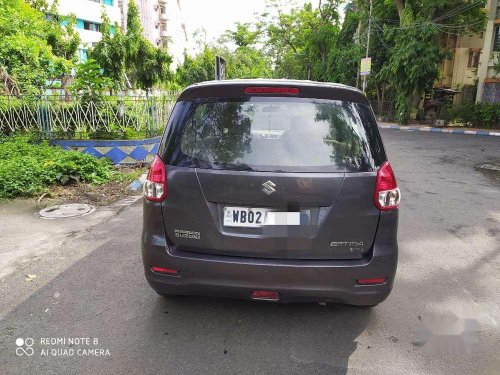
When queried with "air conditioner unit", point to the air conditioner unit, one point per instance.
{"points": [[157, 24], [156, 6]]}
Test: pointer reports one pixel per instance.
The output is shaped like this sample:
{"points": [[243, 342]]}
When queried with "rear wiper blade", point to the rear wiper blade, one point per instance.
{"points": [[233, 167]]}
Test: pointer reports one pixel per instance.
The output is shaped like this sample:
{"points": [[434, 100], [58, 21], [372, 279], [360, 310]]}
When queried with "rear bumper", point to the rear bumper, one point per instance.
{"points": [[238, 278], [295, 280]]}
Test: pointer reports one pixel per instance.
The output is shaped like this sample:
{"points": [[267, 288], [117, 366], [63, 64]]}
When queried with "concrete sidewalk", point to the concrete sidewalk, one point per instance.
{"points": [[424, 128]]}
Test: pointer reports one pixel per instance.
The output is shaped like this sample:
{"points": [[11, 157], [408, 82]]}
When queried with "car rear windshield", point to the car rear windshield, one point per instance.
{"points": [[276, 134]]}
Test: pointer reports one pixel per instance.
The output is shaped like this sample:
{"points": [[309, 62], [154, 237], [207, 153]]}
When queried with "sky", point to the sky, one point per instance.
{"points": [[215, 16]]}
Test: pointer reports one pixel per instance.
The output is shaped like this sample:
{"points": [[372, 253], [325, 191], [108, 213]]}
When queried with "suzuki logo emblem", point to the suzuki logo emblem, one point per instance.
{"points": [[268, 187]]}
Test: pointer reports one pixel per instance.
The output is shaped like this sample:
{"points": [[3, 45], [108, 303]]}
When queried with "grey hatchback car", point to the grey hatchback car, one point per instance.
{"points": [[273, 190]]}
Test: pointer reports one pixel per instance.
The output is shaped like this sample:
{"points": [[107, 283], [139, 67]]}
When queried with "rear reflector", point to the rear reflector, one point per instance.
{"points": [[265, 295], [272, 90], [374, 281], [166, 271]]}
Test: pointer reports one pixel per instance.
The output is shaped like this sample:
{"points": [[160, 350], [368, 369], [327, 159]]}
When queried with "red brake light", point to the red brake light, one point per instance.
{"points": [[272, 90], [155, 187], [387, 195]]}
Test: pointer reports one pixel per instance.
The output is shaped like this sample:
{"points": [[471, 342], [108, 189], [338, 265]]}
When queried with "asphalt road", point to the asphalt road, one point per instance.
{"points": [[449, 261]]}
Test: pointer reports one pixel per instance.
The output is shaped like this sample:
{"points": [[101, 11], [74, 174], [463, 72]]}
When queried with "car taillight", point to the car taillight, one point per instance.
{"points": [[155, 187], [387, 195]]}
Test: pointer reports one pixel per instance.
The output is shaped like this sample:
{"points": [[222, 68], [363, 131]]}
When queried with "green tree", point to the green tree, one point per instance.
{"points": [[34, 48], [196, 69], [244, 36], [90, 82], [247, 60], [301, 40], [244, 62], [344, 58], [110, 52], [413, 67], [61, 33], [154, 66], [145, 64]]}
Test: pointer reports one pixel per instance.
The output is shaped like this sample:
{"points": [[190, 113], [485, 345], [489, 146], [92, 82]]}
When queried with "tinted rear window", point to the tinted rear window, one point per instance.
{"points": [[275, 134]]}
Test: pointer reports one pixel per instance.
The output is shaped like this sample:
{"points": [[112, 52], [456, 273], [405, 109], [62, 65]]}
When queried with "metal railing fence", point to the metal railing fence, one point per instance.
{"points": [[53, 116]]}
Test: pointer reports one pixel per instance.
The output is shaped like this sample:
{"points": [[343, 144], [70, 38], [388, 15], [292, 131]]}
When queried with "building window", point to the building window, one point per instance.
{"points": [[496, 38], [90, 26], [82, 55], [473, 61], [86, 25], [105, 2]]}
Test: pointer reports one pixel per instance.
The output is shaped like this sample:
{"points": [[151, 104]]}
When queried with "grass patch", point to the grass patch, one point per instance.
{"points": [[28, 168]]}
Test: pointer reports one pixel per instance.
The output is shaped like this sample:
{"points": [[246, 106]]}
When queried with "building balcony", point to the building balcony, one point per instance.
{"points": [[163, 16], [163, 33]]}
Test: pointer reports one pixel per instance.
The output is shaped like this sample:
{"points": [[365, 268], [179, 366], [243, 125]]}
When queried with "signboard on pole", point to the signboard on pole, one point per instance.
{"points": [[220, 68], [366, 66]]}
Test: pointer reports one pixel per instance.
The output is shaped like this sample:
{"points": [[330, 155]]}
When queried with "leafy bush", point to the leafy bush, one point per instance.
{"points": [[481, 115], [27, 168]]}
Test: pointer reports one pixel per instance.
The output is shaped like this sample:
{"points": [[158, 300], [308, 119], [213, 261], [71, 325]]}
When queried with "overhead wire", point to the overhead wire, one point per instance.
{"points": [[444, 28], [452, 13], [381, 37], [458, 10]]}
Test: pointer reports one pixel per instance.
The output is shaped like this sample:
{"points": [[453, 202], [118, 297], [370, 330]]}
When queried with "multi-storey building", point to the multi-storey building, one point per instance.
{"points": [[153, 15], [470, 70], [459, 71], [88, 19], [488, 88]]}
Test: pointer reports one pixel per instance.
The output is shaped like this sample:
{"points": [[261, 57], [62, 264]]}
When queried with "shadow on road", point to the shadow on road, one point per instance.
{"points": [[105, 296], [303, 338]]}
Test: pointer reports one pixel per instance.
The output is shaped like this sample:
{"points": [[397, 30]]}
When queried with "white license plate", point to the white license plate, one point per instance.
{"points": [[257, 217]]}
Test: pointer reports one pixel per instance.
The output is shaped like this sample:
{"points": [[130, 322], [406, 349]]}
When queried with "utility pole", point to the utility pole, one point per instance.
{"points": [[368, 41]]}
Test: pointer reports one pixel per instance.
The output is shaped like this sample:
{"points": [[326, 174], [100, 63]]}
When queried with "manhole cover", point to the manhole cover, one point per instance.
{"points": [[490, 167], [66, 210]]}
